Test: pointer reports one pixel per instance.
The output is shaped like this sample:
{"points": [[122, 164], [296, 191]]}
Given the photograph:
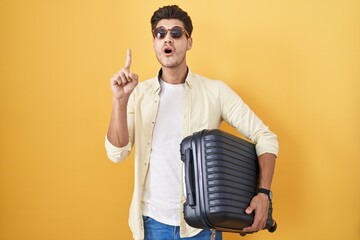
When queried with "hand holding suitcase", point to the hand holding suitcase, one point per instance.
{"points": [[221, 177]]}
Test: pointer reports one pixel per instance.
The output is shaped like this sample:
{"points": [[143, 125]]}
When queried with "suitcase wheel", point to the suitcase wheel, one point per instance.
{"points": [[273, 227]]}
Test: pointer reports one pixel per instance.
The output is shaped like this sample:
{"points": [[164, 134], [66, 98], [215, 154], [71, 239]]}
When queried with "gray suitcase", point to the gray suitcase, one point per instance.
{"points": [[221, 178]]}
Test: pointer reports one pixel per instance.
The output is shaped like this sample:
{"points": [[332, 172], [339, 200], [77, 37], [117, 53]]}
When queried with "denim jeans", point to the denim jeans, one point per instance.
{"points": [[155, 230]]}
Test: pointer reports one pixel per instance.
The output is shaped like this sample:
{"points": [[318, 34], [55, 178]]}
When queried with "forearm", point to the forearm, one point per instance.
{"points": [[118, 133], [260, 203], [267, 168]]}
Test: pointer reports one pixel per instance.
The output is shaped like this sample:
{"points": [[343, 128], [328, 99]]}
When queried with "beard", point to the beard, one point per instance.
{"points": [[171, 61]]}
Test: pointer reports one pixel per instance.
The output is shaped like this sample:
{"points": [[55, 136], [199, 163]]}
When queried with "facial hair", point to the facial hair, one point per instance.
{"points": [[171, 61]]}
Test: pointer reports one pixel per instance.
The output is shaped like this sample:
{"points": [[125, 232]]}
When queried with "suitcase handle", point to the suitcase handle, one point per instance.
{"points": [[189, 176]]}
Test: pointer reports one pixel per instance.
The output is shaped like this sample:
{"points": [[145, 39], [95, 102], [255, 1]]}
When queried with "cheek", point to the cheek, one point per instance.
{"points": [[157, 47]]}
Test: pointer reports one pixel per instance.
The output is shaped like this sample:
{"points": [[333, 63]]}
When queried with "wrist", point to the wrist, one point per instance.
{"points": [[120, 101], [265, 192]]}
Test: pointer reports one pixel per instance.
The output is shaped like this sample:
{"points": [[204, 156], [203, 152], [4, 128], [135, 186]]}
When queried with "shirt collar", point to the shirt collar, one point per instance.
{"points": [[188, 81]]}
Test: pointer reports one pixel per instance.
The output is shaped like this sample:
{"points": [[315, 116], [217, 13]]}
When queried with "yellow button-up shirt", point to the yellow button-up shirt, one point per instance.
{"points": [[206, 103]]}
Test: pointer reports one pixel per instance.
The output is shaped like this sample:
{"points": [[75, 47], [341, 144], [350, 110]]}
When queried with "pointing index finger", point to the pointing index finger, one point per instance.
{"points": [[128, 59]]}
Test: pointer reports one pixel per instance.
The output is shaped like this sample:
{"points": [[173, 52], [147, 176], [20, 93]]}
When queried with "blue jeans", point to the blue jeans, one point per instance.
{"points": [[155, 230]]}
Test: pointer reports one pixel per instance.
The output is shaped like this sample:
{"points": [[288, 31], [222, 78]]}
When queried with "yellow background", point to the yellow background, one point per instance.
{"points": [[296, 63]]}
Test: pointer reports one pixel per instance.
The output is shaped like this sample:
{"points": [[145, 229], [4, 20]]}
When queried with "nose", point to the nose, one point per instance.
{"points": [[168, 38]]}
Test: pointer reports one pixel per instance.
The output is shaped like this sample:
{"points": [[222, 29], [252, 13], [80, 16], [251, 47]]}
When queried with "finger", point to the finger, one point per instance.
{"points": [[123, 78], [248, 230], [134, 76], [249, 210], [128, 59], [115, 80], [259, 221], [256, 226]]}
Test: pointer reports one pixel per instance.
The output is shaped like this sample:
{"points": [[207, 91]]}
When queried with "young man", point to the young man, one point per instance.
{"points": [[156, 114]]}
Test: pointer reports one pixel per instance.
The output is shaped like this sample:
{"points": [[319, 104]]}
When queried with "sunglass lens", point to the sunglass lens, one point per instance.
{"points": [[160, 33], [176, 32]]}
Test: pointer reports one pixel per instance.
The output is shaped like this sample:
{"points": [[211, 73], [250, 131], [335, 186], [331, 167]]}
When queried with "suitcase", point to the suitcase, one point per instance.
{"points": [[221, 175]]}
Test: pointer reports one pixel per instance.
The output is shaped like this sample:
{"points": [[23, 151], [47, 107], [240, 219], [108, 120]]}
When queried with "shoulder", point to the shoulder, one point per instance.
{"points": [[205, 82]]}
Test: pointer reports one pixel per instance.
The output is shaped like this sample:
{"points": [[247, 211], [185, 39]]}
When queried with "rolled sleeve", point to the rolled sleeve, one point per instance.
{"points": [[116, 154], [239, 115], [267, 143]]}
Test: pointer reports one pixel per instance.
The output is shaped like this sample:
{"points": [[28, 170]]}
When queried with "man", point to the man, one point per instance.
{"points": [[156, 114]]}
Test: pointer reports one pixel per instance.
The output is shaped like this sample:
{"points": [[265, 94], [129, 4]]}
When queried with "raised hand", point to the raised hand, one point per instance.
{"points": [[124, 82]]}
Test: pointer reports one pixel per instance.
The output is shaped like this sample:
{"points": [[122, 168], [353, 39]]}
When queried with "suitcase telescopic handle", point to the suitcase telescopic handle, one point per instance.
{"points": [[189, 176]]}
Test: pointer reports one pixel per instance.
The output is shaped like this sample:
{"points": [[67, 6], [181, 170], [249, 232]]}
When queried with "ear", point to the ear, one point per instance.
{"points": [[189, 44]]}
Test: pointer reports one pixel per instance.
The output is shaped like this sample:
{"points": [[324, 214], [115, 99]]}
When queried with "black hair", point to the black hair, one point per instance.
{"points": [[172, 12]]}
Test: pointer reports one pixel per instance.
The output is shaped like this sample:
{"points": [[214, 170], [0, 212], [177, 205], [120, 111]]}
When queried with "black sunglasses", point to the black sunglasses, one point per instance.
{"points": [[175, 32]]}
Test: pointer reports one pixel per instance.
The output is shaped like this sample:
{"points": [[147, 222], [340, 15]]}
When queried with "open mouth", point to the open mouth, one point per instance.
{"points": [[168, 50]]}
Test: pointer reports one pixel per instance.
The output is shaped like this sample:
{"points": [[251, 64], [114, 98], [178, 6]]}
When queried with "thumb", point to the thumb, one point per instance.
{"points": [[250, 209]]}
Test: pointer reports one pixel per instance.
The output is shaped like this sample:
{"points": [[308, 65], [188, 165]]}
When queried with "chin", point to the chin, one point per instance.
{"points": [[167, 65], [170, 63]]}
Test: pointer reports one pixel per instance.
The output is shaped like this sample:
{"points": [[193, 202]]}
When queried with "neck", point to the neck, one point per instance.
{"points": [[174, 75]]}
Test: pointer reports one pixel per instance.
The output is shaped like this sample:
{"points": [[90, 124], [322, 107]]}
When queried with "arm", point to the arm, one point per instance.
{"points": [[123, 84], [260, 203], [118, 133], [267, 168], [239, 115]]}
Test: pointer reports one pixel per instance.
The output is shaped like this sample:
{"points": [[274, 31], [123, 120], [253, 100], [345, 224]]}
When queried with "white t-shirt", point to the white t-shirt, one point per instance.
{"points": [[161, 197]]}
